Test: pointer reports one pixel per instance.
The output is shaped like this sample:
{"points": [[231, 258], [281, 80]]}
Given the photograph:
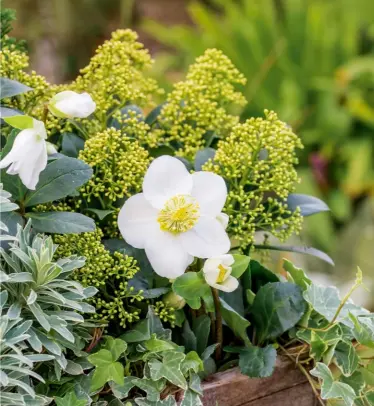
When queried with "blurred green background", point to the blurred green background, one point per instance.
{"points": [[312, 61]]}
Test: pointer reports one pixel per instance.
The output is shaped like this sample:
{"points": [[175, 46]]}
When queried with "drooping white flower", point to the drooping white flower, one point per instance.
{"points": [[69, 104], [175, 218], [223, 218], [217, 273], [28, 156]]}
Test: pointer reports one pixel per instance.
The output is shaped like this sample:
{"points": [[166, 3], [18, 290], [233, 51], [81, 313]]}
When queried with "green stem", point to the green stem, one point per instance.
{"points": [[218, 324], [45, 114]]}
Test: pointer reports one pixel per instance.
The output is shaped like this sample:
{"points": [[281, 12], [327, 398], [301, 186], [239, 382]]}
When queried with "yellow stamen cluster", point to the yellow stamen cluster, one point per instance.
{"points": [[222, 274], [115, 75], [258, 159], [197, 108], [179, 214], [119, 165]]}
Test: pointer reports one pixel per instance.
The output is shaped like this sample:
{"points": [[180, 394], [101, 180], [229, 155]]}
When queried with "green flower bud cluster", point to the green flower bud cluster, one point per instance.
{"points": [[133, 125], [258, 159], [115, 75], [198, 107], [120, 308], [165, 312], [108, 272], [119, 165]]}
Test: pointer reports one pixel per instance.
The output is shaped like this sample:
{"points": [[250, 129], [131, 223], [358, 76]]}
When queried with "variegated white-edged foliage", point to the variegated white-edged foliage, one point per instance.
{"points": [[17, 361], [5, 206], [39, 290]]}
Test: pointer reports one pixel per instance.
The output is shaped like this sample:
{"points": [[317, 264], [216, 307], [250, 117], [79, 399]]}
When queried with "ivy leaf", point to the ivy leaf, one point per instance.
{"points": [[138, 333], [169, 401], [235, 321], [355, 381], [257, 362], [192, 362], [156, 345], [195, 384], [323, 343], [240, 265], [331, 389], [191, 399], [298, 276], [169, 368], [276, 308], [363, 330], [346, 358], [107, 369], [70, 399], [325, 300], [116, 346]]}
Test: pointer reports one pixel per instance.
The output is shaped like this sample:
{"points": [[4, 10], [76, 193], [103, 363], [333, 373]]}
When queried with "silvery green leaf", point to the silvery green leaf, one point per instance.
{"points": [[40, 357], [19, 330], [65, 315], [40, 316], [59, 325], [25, 259], [16, 340], [14, 311], [20, 277], [14, 399], [3, 378], [32, 297], [89, 292], [49, 344], [73, 368], [23, 371], [61, 360], [34, 341], [3, 277], [71, 263], [3, 298]]}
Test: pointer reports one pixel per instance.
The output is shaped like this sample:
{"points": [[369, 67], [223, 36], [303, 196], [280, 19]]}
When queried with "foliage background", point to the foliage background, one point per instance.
{"points": [[318, 74]]}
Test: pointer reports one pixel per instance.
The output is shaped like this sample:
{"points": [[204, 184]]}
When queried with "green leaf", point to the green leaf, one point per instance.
{"points": [[277, 308], [308, 205], [346, 358], [297, 274], [101, 214], [202, 157], [192, 362], [70, 399], [201, 329], [71, 144], [240, 265], [195, 384], [355, 381], [235, 321], [6, 112], [61, 222], [189, 338], [20, 122], [59, 179], [259, 276], [191, 399], [331, 389], [190, 285], [325, 300], [10, 88], [257, 362], [300, 250], [107, 369], [169, 368], [363, 330], [153, 115], [168, 401], [156, 345], [138, 333], [116, 346]]}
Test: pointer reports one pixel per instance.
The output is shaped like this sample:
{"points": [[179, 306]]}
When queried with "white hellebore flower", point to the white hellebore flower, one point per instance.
{"points": [[174, 219], [69, 104], [28, 156], [217, 273]]}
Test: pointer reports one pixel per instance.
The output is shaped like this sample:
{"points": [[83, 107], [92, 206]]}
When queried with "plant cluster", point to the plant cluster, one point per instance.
{"points": [[126, 269]]}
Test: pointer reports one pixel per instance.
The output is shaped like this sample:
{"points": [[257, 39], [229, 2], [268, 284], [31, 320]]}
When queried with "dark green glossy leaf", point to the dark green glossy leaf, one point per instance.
{"points": [[61, 222], [235, 321], [202, 157], [277, 308], [10, 88], [308, 205], [71, 144], [257, 362]]}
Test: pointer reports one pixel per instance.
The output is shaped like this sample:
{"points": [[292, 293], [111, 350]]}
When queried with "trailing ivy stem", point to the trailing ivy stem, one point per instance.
{"points": [[219, 332], [305, 373]]}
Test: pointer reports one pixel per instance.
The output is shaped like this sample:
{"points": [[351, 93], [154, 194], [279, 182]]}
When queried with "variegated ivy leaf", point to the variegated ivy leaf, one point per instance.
{"points": [[191, 399], [169, 401], [192, 362], [346, 358], [363, 330], [332, 389], [70, 399], [169, 368]]}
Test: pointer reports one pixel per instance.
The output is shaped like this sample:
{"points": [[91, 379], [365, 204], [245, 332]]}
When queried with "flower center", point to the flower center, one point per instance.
{"points": [[179, 214], [222, 274]]}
